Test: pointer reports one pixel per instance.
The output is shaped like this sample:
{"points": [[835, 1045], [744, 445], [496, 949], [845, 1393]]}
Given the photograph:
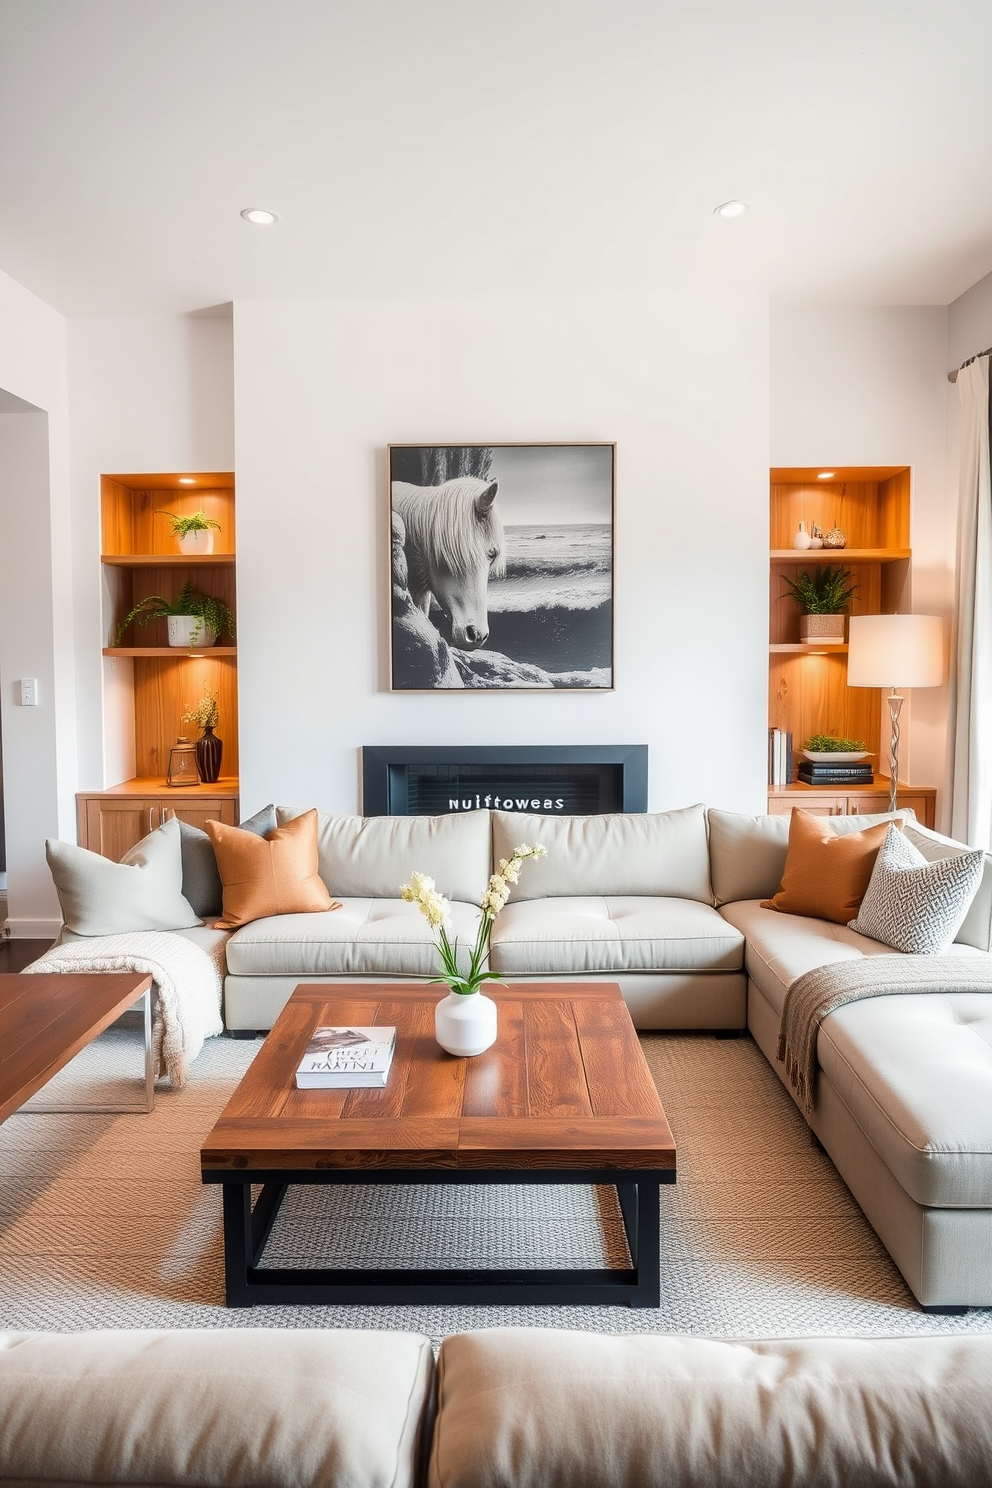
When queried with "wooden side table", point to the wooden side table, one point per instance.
{"points": [[45, 1019]]}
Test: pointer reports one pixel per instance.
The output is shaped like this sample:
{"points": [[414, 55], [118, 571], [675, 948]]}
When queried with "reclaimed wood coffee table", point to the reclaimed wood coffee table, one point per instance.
{"points": [[563, 1096], [46, 1018]]}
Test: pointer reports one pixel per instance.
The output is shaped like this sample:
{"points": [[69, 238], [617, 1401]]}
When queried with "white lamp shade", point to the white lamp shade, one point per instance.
{"points": [[895, 651]]}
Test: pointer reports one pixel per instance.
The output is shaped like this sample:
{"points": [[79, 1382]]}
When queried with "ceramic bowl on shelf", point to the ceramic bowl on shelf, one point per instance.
{"points": [[835, 757]]}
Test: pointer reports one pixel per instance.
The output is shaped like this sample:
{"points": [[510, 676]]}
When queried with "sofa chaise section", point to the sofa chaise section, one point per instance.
{"points": [[904, 1084]]}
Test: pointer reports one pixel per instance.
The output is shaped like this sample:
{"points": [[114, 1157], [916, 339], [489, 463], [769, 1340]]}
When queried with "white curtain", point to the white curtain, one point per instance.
{"points": [[971, 786]]}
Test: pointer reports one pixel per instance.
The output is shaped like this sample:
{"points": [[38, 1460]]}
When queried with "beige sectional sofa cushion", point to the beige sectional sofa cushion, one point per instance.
{"points": [[976, 929], [585, 934], [520, 1408], [661, 854], [365, 937], [915, 1072], [747, 853], [369, 857], [255, 1407]]}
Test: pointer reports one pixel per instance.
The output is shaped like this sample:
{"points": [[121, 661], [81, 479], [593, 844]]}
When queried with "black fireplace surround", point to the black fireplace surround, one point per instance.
{"points": [[566, 780]]}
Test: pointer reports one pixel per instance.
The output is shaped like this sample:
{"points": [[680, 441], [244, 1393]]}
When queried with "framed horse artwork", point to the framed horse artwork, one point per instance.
{"points": [[501, 566]]}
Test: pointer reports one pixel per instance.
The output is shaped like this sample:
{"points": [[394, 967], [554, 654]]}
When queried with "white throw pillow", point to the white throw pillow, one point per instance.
{"points": [[915, 905], [141, 892]]}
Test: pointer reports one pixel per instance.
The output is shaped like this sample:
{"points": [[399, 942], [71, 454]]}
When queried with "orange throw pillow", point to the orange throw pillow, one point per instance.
{"points": [[826, 873], [270, 875]]}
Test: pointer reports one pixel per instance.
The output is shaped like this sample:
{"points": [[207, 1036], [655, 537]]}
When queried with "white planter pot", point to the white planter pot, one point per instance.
{"points": [[197, 544], [465, 1023], [189, 631]]}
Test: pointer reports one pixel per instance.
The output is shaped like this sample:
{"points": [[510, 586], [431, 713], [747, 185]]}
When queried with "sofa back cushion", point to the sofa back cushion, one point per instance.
{"points": [[368, 857], [976, 928], [532, 1408], [747, 853], [658, 854]]}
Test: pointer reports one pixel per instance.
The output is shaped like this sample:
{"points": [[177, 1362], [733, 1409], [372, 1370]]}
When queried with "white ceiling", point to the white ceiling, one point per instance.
{"points": [[490, 147]]}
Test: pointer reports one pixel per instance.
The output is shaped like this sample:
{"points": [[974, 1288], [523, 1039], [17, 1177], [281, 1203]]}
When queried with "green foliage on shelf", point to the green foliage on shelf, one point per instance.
{"points": [[830, 744], [826, 591], [183, 526], [213, 612]]}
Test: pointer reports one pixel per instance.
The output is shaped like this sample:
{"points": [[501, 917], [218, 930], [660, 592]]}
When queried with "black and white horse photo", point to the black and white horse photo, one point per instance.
{"points": [[502, 566]]}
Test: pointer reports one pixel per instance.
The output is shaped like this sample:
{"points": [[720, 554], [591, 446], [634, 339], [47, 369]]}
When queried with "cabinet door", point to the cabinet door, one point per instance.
{"points": [[111, 825], [921, 804], [816, 805], [198, 813]]}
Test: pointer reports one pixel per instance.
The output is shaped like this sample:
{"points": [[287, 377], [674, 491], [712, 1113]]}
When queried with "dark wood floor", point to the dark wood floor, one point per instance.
{"points": [[16, 954]]}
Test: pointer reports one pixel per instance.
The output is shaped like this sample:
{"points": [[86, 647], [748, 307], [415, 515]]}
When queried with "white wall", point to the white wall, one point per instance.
{"points": [[148, 394], [679, 382], [869, 387], [35, 602]]}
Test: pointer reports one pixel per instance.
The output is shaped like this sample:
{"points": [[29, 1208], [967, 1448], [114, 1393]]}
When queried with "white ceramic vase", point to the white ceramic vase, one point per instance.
{"points": [[198, 544], [802, 538], [190, 631], [465, 1023]]}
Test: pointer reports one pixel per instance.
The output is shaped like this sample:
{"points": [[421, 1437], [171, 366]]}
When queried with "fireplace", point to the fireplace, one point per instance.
{"points": [[576, 780]]}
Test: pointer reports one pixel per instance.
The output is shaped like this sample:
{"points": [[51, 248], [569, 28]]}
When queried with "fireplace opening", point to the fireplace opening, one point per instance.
{"points": [[581, 780]]}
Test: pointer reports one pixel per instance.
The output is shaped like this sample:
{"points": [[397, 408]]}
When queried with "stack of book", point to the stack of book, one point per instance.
{"points": [[779, 757], [821, 772], [346, 1058]]}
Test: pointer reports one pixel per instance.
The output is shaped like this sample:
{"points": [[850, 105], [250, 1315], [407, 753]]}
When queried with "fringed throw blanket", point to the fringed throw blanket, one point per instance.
{"points": [[815, 994], [188, 983]]}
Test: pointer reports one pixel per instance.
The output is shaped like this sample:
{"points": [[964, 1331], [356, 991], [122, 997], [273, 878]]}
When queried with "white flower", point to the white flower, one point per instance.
{"points": [[422, 892]]}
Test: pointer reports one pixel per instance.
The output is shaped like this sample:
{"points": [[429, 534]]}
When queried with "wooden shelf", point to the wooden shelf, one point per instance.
{"points": [[140, 556], [871, 505], [144, 785], [840, 555], [177, 653], [169, 560], [807, 648]]}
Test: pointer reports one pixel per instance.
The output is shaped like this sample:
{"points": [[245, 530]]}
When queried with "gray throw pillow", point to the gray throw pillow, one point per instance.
{"points": [[915, 905], [141, 892], [201, 881]]}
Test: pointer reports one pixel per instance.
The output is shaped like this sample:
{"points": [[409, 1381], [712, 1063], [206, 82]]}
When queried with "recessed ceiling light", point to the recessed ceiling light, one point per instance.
{"points": [[187, 480], [730, 209], [825, 475], [259, 215]]}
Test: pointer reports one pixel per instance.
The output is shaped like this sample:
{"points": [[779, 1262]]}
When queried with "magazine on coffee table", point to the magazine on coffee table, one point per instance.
{"points": [[346, 1058]]}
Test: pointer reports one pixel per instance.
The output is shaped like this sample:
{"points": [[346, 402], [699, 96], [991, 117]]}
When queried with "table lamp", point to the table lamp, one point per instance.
{"points": [[895, 651]]}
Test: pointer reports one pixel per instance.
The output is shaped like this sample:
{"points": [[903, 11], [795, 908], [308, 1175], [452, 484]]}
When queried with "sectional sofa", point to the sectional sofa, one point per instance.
{"points": [[669, 905], [503, 1408]]}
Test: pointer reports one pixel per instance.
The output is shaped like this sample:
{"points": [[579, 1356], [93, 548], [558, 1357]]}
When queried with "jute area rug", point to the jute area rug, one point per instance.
{"points": [[104, 1222]]}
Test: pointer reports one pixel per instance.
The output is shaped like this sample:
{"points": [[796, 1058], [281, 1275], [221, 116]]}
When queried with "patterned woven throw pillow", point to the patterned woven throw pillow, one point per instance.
{"points": [[915, 905]]}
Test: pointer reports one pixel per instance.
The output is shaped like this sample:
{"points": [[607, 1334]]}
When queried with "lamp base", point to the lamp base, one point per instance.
{"points": [[895, 701]]}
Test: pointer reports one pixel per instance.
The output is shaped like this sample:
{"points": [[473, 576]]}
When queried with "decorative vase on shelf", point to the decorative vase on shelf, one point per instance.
{"points": [[465, 1023], [835, 538], [802, 538], [209, 750]]}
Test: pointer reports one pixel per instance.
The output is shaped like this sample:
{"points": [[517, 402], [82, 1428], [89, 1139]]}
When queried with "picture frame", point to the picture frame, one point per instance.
{"points": [[501, 567]]}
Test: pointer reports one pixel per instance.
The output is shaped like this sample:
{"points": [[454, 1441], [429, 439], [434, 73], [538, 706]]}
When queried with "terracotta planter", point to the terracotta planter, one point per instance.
{"points": [[821, 627]]}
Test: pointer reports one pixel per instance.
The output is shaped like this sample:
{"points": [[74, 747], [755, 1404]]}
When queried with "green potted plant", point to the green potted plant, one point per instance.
{"points": [[824, 595], [195, 533], [194, 619]]}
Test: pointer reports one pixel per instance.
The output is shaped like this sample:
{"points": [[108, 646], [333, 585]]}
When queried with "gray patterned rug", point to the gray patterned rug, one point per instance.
{"points": [[104, 1222]]}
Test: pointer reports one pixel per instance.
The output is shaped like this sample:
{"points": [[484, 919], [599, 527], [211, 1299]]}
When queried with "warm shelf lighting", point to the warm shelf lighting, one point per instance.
{"points": [[187, 480], [826, 475], [259, 216], [730, 209]]}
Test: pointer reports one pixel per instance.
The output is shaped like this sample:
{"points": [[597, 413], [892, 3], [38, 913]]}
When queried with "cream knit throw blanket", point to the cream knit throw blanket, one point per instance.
{"points": [[815, 994], [188, 983]]}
